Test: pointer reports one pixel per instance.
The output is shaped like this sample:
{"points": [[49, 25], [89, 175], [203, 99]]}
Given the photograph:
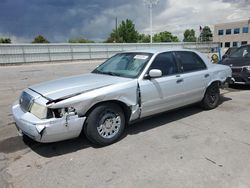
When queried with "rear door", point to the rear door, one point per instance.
{"points": [[163, 93], [195, 76]]}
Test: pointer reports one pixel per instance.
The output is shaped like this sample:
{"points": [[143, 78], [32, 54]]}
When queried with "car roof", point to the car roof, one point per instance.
{"points": [[158, 50]]}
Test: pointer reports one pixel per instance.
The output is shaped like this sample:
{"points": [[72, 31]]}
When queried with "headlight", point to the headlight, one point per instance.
{"points": [[39, 111]]}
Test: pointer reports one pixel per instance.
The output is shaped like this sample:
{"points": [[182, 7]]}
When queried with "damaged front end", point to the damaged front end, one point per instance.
{"points": [[34, 119]]}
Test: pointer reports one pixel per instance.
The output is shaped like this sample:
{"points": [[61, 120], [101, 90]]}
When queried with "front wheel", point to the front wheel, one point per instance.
{"points": [[105, 124], [212, 97]]}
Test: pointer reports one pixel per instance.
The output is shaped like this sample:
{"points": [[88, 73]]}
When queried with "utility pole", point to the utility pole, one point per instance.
{"points": [[150, 4], [116, 35]]}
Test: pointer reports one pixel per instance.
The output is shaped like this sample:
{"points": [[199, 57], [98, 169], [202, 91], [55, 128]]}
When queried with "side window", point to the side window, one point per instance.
{"points": [[190, 61], [166, 63]]}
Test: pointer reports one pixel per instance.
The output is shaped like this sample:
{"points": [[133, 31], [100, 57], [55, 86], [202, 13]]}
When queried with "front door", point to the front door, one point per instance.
{"points": [[163, 93]]}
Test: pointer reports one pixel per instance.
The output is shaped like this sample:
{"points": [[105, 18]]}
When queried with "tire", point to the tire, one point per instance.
{"points": [[105, 124], [212, 97]]}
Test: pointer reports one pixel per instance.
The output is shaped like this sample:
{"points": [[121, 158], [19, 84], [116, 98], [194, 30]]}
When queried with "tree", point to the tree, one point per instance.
{"points": [[80, 40], [189, 36], [5, 40], [142, 38], [165, 37], [206, 34], [40, 39], [126, 33]]}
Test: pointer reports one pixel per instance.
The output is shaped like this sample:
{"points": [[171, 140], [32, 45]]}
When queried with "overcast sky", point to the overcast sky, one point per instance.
{"points": [[59, 20]]}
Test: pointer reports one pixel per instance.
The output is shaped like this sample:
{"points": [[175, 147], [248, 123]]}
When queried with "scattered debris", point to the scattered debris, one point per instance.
{"points": [[213, 162], [210, 160], [177, 137]]}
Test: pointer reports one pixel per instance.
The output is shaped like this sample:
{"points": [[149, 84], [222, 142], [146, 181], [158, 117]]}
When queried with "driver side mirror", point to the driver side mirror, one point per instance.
{"points": [[154, 73]]}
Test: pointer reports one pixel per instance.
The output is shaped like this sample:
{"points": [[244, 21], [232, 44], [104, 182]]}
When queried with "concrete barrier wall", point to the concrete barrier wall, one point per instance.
{"points": [[27, 53]]}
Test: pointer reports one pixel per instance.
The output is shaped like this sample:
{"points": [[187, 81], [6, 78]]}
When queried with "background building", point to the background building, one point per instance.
{"points": [[232, 34]]}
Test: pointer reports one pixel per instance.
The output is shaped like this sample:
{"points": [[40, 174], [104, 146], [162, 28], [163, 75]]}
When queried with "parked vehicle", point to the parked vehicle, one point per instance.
{"points": [[127, 87], [239, 61]]}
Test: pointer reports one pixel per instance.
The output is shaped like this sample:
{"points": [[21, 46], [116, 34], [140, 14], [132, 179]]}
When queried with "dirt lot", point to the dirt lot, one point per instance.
{"points": [[183, 148]]}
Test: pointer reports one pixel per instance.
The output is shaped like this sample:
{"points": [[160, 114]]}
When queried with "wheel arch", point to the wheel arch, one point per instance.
{"points": [[219, 82], [125, 108]]}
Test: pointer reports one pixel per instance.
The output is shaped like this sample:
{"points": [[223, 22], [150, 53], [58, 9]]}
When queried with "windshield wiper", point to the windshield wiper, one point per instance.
{"points": [[108, 73], [97, 71], [112, 73]]}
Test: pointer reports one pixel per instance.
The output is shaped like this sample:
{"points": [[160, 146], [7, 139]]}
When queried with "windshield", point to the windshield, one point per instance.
{"points": [[243, 51], [128, 65], [231, 51]]}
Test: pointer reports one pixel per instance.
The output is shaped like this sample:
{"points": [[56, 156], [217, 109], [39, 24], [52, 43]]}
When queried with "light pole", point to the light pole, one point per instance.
{"points": [[150, 4]]}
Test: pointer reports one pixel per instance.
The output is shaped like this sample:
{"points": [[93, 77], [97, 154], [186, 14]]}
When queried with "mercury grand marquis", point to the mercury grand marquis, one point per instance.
{"points": [[125, 88]]}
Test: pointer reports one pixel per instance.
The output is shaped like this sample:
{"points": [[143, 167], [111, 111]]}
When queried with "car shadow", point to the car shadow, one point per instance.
{"points": [[167, 117], [49, 150], [73, 145]]}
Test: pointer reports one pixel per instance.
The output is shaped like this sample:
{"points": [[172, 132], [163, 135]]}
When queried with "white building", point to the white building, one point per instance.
{"points": [[232, 34]]}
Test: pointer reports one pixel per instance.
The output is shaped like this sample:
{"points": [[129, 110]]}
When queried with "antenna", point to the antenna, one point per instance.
{"points": [[150, 4]]}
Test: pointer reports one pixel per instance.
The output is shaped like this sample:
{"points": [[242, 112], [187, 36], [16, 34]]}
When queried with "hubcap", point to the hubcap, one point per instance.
{"points": [[109, 124], [212, 96]]}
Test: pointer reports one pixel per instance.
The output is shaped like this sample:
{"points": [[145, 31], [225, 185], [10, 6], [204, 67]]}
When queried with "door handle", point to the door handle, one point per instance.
{"points": [[179, 81], [206, 75]]}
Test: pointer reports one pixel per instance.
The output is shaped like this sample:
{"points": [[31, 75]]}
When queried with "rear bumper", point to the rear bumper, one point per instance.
{"points": [[47, 130]]}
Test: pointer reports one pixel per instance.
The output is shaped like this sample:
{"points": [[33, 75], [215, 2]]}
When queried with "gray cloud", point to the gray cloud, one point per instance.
{"points": [[59, 20]]}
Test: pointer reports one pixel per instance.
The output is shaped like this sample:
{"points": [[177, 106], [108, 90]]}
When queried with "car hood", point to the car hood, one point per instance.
{"points": [[66, 87], [235, 62]]}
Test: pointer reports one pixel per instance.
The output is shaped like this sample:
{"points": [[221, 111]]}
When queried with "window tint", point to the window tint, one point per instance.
{"points": [[243, 42], [227, 44], [245, 30], [228, 31], [166, 63], [235, 44], [236, 30], [220, 32], [190, 61]]}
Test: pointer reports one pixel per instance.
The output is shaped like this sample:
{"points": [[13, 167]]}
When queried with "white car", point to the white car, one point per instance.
{"points": [[127, 87]]}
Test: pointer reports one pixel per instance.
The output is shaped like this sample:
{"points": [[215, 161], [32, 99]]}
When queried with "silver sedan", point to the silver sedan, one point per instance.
{"points": [[127, 87]]}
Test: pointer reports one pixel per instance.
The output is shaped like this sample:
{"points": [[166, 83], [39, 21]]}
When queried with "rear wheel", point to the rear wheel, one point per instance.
{"points": [[105, 124], [212, 97]]}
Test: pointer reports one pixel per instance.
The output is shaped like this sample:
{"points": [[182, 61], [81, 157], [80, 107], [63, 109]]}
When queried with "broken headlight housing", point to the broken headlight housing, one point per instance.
{"points": [[58, 113], [42, 112]]}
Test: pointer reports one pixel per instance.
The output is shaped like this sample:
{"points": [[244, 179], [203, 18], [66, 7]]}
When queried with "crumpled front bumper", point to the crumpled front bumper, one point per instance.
{"points": [[47, 130]]}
